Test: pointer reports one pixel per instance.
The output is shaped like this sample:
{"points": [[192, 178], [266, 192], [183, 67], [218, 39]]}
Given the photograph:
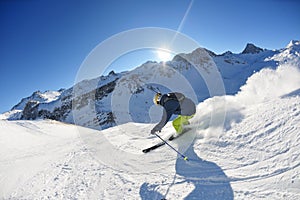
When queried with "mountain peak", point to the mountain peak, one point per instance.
{"points": [[251, 48], [42, 97], [293, 43]]}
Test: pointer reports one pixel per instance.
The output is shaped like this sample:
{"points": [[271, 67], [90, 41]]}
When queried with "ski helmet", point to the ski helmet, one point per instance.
{"points": [[156, 98]]}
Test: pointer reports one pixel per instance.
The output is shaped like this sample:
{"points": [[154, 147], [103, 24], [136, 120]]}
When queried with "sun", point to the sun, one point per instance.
{"points": [[163, 55]]}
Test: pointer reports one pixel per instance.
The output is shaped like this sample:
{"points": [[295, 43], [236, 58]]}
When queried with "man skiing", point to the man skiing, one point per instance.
{"points": [[174, 103]]}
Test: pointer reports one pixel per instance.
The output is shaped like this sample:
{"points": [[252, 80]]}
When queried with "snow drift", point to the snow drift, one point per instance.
{"points": [[269, 83]]}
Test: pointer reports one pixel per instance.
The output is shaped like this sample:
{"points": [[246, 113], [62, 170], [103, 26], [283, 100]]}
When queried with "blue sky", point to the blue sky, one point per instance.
{"points": [[43, 43]]}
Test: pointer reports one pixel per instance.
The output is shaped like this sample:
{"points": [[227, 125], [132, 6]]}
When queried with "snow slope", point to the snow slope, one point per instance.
{"points": [[241, 147]]}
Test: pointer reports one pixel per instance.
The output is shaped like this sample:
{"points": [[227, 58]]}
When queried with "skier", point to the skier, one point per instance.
{"points": [[174, 103]]}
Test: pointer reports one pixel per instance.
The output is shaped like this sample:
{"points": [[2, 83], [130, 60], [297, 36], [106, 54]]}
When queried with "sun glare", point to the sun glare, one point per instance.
{"points": [[163, 55]]}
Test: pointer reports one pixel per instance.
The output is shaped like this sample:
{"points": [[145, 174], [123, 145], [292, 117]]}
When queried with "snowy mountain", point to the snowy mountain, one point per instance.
{"points": [[241, 146], [36, 98], [42, 97], [125, 97]]}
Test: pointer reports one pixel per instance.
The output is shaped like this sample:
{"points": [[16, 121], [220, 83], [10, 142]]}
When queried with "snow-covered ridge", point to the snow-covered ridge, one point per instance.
{"points": [[95, 104], [289, 54], [41, 97]]}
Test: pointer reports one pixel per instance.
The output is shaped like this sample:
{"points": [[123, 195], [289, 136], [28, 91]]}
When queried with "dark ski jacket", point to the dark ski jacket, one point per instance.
{"points": [[174, 103]]}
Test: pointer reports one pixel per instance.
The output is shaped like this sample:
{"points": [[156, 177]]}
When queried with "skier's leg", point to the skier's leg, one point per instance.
{"points": [[180, 121], [185, 119], [177, 124]]}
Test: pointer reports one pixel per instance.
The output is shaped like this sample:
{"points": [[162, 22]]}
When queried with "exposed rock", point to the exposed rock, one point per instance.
{"points": [[252, 49], [31, 110]]}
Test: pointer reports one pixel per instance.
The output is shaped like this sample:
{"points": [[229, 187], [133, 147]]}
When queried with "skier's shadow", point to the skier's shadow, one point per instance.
{"points": [[208, 178]]}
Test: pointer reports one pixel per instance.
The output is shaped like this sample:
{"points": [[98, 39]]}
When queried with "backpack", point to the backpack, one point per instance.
{"points": [[175, 96]]}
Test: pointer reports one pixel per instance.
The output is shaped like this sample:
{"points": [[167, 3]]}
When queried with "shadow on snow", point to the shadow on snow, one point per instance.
{"points": [[208, 178]]}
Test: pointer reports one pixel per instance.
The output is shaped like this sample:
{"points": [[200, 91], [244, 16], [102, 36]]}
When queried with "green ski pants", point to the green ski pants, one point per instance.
{"points": [[180, 121]]}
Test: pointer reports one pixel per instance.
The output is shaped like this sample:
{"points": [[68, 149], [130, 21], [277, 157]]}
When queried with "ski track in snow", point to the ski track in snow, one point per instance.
{"points": [[255, 158]]}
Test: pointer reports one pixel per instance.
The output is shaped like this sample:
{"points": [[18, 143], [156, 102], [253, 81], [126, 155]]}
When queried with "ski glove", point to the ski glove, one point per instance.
{"points": [[154, 130]]}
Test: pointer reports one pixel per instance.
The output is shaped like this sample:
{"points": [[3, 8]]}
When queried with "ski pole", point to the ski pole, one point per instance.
{"points": [[183, 156]]}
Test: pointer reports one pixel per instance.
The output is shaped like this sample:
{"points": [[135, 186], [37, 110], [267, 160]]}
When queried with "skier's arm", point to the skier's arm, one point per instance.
{"points": [[165, 118], [168, 110]]}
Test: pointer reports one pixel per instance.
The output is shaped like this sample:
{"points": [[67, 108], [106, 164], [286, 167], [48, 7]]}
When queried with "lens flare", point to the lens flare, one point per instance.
{"points": [[164, 55]]}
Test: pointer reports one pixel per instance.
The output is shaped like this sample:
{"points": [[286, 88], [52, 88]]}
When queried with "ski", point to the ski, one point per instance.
{"points": [[171, 138], [153, 147]]}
